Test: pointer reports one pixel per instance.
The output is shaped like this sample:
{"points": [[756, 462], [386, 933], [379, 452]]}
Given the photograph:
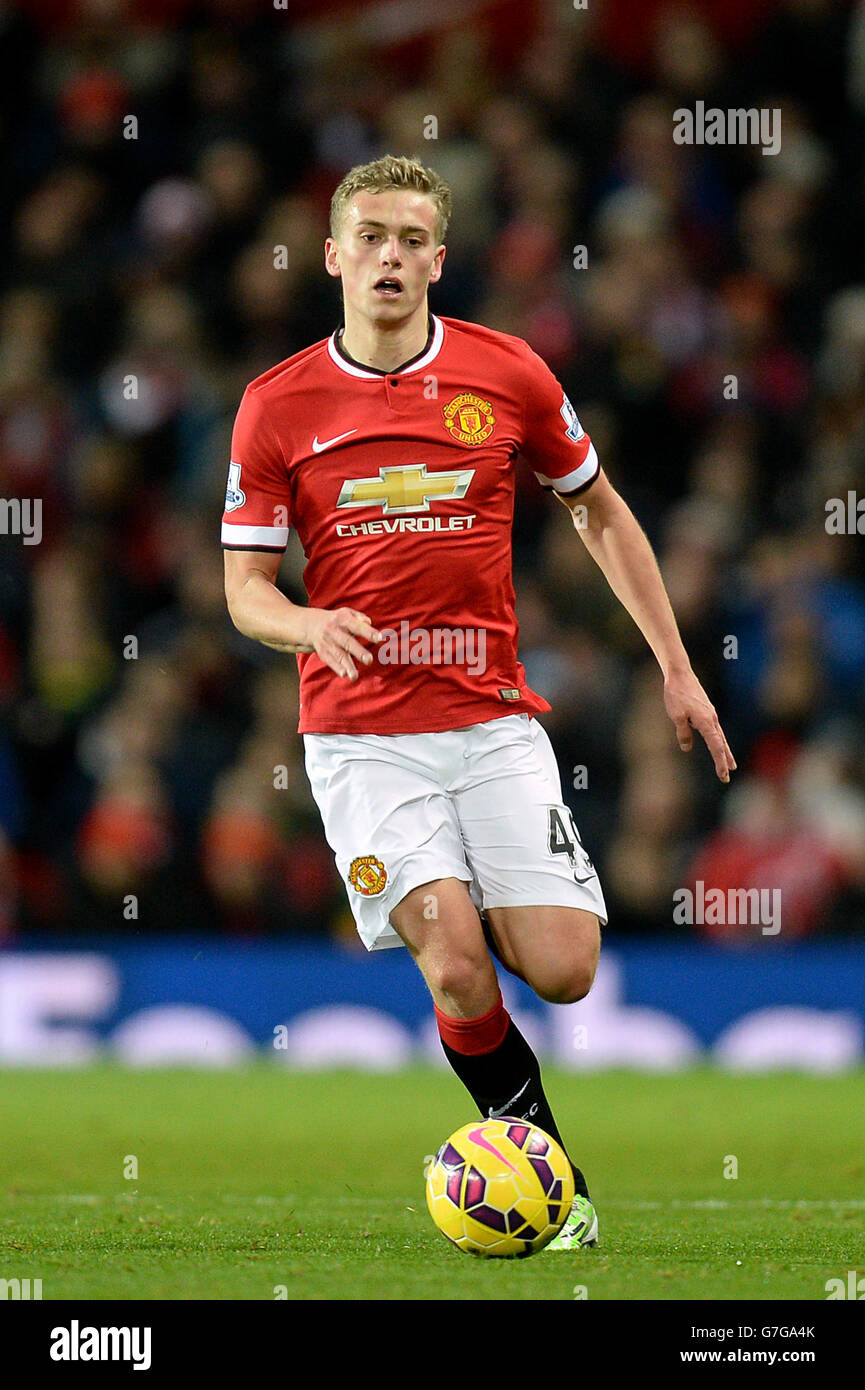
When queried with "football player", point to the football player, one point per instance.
{"points": [[391, 447]]}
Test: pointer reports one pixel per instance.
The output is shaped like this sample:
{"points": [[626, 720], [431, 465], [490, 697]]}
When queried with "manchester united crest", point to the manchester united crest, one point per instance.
{"points": [[367, 875], [469, 418]]}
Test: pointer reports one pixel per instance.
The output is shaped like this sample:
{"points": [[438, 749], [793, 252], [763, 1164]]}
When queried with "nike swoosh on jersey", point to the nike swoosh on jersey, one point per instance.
{"points": [[326, 443], [506, 1108]]}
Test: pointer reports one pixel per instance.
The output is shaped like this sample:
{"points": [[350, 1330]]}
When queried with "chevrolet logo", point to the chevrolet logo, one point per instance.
{"points": [[405, 489]]}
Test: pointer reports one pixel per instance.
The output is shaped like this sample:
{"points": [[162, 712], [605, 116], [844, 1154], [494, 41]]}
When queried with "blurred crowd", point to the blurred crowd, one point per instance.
{"points": [[711, 337]]}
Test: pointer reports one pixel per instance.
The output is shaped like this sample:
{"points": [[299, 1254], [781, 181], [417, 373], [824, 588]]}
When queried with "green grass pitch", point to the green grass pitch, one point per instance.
{"points": [[258, 1180]]}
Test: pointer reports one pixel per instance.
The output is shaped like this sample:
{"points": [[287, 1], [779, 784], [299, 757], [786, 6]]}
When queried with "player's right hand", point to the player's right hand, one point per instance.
{"points": [[336, 636]]}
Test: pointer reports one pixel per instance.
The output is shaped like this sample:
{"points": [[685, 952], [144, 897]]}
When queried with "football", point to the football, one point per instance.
{"points": [[500, 1188]]}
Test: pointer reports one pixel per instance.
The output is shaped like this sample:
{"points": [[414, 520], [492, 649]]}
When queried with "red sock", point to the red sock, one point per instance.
{"points": [[474, 1036]]}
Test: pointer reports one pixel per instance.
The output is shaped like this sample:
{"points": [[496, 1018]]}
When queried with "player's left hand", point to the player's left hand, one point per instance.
{"points": [[689, 707]]}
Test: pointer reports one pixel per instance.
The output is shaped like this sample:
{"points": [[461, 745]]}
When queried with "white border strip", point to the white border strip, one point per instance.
{"points": [[584, 474], [274, 537], [349, 367]]}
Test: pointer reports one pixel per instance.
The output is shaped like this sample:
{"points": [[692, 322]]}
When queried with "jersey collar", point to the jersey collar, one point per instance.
{"points": [[347, 364]]}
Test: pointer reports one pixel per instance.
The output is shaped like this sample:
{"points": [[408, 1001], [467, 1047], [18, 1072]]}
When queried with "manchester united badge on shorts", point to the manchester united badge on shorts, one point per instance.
{"points": [[469, 418], [367, 875]]}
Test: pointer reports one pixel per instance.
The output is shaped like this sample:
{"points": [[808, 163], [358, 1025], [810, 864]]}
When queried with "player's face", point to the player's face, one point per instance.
{"points": [[386, 254]]}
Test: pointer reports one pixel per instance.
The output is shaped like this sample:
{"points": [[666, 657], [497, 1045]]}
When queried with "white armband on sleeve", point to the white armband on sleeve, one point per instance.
{"points": [[580, 477]]}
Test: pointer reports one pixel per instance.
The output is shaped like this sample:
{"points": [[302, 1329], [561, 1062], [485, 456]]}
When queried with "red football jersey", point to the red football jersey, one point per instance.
{"points": [[400, 486]]}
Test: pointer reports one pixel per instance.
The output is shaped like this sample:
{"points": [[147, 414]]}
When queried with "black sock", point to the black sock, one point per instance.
{"points": [[508, 1080]]}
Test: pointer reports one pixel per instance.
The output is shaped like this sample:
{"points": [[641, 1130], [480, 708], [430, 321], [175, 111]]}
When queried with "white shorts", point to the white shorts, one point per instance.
{"points": [[482, 804]]}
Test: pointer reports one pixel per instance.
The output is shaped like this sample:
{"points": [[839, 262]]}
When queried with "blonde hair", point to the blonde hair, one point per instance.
{"points": [[392, 171]]}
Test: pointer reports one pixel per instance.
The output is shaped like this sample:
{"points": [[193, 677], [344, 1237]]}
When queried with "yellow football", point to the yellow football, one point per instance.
{"points": [[500, 1188]]}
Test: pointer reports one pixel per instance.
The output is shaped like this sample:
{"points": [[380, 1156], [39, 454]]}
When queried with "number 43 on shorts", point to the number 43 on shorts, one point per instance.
{"points": [[559, 841]]}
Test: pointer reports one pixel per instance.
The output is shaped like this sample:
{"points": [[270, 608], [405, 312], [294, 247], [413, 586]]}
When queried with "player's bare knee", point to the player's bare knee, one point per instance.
{"points": [[565, 985], [456, 975]]}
